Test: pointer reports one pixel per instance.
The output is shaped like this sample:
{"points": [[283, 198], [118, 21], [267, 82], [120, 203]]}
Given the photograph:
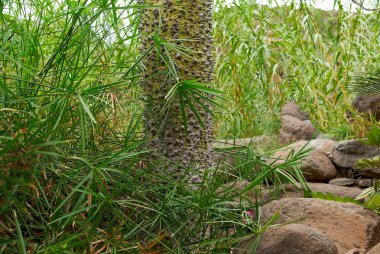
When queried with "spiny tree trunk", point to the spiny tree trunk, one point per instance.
{"points": [[186, 24]]}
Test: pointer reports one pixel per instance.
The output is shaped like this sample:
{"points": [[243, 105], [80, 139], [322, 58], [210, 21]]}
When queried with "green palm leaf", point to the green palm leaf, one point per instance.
{"points": [[367, 84]]}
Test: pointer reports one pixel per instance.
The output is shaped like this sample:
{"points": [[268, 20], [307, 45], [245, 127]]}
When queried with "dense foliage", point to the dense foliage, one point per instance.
{"points": [[75, 173], [293, 53]]}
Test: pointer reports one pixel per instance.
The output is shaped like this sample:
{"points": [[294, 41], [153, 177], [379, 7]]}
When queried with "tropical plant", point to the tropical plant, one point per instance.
{"points": [[76, 174], [293, 52], [373, 137], [371, 194], [177, 43], [368, 83]]}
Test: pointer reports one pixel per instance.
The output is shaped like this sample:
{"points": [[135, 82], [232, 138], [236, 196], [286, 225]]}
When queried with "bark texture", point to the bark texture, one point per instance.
{"points": [[186, 24]]}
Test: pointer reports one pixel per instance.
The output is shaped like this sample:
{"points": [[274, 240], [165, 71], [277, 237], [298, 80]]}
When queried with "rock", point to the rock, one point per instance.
{"points": [[368, 104], [289, 239], [295, 125], [265, 194], [341, 191], [373, 172], [317, 167], [290, 191], [353, 251], [284, 191], [324, 145], [375, 249], [346, 155], [294, 110], [294, 129], [365, 183], [350, 226], [342, 181]]}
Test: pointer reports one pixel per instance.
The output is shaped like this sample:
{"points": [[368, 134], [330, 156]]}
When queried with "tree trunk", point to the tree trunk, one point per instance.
{"points": [[185, 26]]}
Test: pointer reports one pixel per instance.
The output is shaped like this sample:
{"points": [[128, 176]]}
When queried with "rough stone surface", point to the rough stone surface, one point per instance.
{"points": [[342, 181], [317, 167], [365, 183], [353, 251], [368, 103], [341, 191], [375, 249], [295, 125], [324, 145], [290, 239], [294, 110], [350, 226], [374, 172], [346, 155], [289, 191]]}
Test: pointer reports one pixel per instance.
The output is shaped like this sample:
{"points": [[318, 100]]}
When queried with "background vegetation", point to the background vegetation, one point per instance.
{"points": [[291, 53], [74, 172]]}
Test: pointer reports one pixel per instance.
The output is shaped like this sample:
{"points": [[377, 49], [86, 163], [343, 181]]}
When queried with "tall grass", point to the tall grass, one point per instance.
{"points": [[269, 56], [75, 174]]}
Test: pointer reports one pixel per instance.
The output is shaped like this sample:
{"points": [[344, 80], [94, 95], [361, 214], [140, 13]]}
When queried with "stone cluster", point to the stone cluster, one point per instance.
{"points": [[322, 226]]}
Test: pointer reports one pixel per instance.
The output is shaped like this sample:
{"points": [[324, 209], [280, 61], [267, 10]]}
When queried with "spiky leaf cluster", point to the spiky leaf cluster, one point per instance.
{"points": [[367, 84]]}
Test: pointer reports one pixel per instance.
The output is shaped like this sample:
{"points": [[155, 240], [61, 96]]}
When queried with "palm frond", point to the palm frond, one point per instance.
{"points": [[369, 163], [369, 83]]}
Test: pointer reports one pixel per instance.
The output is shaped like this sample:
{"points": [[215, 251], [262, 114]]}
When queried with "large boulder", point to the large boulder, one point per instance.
{"points": [[294, 110], [295, 125], [324, 145], [347, 154], [368, 104], [317, 167], [290, 191], [340, 191], [289, 239], [350, 226]]}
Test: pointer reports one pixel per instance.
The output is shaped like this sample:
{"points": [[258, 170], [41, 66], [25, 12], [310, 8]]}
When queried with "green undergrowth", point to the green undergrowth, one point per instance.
{"points": [[76, 175], [269, 56]]}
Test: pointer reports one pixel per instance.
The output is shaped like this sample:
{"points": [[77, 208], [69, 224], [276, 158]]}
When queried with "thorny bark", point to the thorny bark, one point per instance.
{"points": [[187, 24]]}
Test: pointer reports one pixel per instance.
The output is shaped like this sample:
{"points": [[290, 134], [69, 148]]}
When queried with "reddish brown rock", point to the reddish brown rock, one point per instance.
{"points": [[353, 251], [341, 191], [350, 226], [317, 167], [289, 191], [375, 249], [295, 125], [294, 110], [365, 183], [324, 145], [289, 239]]}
